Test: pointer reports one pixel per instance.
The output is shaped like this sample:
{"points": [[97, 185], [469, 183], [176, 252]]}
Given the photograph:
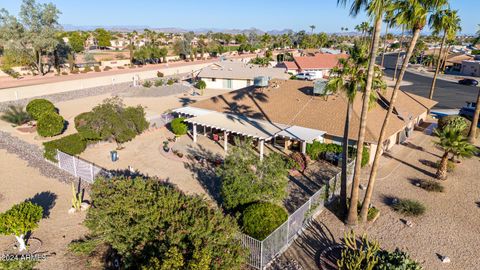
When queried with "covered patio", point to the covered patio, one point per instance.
{"points": [[261, 131]]}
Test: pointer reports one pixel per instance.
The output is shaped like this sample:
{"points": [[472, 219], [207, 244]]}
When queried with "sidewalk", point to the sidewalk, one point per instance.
{"points": [[444, 77]]}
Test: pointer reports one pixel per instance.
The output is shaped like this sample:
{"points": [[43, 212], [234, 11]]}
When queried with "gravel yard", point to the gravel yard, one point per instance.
{"points": [[450, 226]]}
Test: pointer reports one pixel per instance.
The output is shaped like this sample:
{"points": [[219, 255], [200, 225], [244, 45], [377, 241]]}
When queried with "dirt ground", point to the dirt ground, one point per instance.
{"points": [[57, 229], [450, 226]]}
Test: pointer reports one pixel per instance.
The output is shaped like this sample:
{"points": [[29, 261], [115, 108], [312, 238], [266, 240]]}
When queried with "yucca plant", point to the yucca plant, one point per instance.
{"points": [[16, 115]]}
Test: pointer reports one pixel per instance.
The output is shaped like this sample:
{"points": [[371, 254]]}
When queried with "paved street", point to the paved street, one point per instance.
{"points": [[450, 95]]}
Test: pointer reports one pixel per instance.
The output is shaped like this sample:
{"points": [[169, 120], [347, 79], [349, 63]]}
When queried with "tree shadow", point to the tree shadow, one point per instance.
{"points": [[478, 204], [427, 173], [127, 173], [389, 200], [185, 101], [428, 163], [46, 200]]}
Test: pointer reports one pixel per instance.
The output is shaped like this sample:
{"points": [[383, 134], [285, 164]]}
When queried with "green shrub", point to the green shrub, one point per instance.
{"points": [[409, 207], [18, 264], [178, 126], [261, 219], [147, 84], [136, 115], [300, 161], [12, 73], [317, 149], [37, 107], [475, 52], [97, 69], [396, 260], [73, 144], [16, 115], [84, 246], [456, 122], [159, 83], [50, 124], [170, 81], [86, 69], [365, 156], [201, 84], [159, 74], [358, 254], [430, 185]]}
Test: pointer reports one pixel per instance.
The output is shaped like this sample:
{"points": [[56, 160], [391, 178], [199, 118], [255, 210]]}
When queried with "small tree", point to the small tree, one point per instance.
{"points": [[261, 219], [201, 85], [179, 128], [37, 107], [19, 220], [50, 124]]}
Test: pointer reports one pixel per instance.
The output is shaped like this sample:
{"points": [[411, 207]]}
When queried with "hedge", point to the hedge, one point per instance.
{"points": [[72, 144], [261, 219], [50, 124], [317, 149], [178, 126], [37, 107]]}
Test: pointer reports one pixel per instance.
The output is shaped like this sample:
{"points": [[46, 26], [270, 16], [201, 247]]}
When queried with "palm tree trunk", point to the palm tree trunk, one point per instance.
{"points": [[378, 152], [472, 134], [398, 56], [353, 211], [384, 46], [343, 184], [442, 168], [439, 61], [445, 55]]}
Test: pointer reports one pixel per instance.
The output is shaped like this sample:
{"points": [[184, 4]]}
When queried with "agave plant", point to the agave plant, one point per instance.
{"points": [[16, 115]]}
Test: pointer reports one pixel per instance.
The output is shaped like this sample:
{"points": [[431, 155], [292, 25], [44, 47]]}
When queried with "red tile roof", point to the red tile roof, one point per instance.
{"points": [[319, 61], [290, 65]]}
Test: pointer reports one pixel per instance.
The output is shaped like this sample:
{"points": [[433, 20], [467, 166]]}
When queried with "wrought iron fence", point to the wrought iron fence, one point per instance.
{"points": [[263, 252]]}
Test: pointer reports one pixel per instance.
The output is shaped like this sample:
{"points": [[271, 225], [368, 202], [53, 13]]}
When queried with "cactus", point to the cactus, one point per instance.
{"points": [[77, 199], [358, 255]]}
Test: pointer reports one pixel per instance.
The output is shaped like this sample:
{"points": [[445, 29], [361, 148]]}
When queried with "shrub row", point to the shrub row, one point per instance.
{"points": [[72, 144], [318, 150]]}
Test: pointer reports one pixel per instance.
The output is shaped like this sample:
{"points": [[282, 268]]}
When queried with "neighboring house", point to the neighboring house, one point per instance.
{"points": [[471, 68], [235, 75], [454, 61], [287, 114], [321, 63], [119, 44]]}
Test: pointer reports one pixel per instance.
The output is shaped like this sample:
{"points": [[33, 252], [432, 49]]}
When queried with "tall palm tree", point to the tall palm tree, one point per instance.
{"points": [[387, 21], [472, 134], [452, 141], [312, 27], [376, 10], [448, 22], [413, 14], [131, 46], [398, 54]]}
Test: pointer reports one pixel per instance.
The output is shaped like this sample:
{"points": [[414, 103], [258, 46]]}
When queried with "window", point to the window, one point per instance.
{"points": [[214, 79]]}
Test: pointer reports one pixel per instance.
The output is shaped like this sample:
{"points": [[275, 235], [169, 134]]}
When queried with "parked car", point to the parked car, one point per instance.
{"points": [[468, 82], [305, 76]]}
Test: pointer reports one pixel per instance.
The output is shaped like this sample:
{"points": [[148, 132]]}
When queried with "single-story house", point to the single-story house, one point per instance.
{"points": [[471, 68], [234, 75], [321, 63], [287, 113]]}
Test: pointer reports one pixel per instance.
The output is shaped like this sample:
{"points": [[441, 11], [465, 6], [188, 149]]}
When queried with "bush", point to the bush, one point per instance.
{"points": [[97, 69], [317, 149], [18, 264], [159, 74], [37, 107], [107, 68], [84, 246], [409, 207], [358, 254], [158, 83], [16, 115], [12, 73], [147, 84], [75, 71], [456, 122], [86, 69], [136, 116], [261, 219], [153, 225], [432, 186], [396, 260], [73, 144], [201, 84], [179, 128], [170, 81], [50, 124], [300, 161], [64, 73], [365, 156]]}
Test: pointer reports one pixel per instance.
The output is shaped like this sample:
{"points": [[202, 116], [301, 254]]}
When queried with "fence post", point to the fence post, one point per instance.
{"points": [[74, 166], [288, 230], [91, 171], [261, 255], [58, 160]]}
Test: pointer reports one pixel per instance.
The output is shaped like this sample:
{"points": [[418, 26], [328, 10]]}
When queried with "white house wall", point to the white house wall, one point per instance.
{"points": [[221, 83]]}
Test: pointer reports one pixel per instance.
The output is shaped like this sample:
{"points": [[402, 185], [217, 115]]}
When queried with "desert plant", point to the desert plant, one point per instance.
{"points": [[430, 185], [358, 254], [107, 68], [84, 246], [261, 219], [16, 115], [10, 72], [86, 69], [456, 122], [97, 69], [64, 73], [76, 199], [159, 83], [170, 81], [409, 207], [396, 260], [50, 124], [37, 107], [18, 264], [147, 84], [179, 128], [160, 74], [201, 85], [19, 220], [73, 144]]}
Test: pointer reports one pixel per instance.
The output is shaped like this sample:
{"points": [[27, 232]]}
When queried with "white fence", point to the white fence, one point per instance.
{"points": [[263, 252], [77, 167]]}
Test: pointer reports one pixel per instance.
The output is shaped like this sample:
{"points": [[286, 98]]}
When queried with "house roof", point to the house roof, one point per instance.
{"points": [[289, 102], [319, 61], [240, 70], [458, 58], [290, 65]]}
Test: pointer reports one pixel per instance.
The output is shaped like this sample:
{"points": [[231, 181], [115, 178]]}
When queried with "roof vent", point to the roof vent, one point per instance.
{"points": [[319, 88], [261, 81]]}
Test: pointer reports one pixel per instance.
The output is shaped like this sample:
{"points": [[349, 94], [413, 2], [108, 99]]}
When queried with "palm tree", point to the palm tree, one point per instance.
{"points": [[452, 141], [413, 14], [131, 46], [448, 22], [312, 27], [376, 10], [472, 134], [387, 21], [398, 54]]}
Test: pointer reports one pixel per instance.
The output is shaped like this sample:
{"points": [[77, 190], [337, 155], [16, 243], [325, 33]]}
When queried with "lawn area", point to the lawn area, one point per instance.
{"points": [[449, 226]]}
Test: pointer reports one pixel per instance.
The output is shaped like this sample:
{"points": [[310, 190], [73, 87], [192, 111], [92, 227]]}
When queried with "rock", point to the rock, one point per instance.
{"points": [[445, 259], [84, 206], [395, 201], [362, 187], [72, 211], [409, 223], [417, 184]]}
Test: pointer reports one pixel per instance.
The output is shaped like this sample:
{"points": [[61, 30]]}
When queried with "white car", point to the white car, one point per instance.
{"points": [[305, 76]]}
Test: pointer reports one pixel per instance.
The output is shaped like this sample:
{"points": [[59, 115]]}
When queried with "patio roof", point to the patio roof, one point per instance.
{"points": [[302, 134], [192, 111]]}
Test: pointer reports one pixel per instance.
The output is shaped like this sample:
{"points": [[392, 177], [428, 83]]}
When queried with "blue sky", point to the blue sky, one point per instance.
{"points": [[194, 14]]}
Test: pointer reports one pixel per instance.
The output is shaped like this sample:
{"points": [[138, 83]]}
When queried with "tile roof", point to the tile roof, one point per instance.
{"points": [[319, 61], [290, 102], [240, 70], [290, 65]]}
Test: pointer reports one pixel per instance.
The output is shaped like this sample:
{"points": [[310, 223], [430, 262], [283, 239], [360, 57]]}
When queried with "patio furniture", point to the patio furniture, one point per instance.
{"points": [[216, 137]]}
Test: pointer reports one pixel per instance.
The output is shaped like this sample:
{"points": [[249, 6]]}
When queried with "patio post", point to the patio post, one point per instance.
{"points": [[304, 147], [225, 140], [194, 133], [262, 142]]}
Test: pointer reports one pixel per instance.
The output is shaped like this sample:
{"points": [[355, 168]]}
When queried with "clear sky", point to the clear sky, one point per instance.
{"points": [[195, 14]]}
